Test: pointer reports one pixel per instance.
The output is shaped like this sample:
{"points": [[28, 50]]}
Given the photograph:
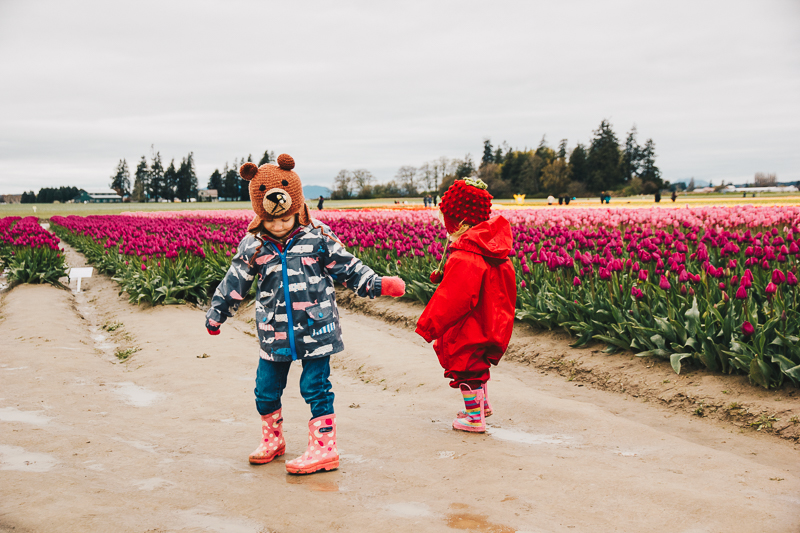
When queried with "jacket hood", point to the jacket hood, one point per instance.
{"points": [[490, 239]]}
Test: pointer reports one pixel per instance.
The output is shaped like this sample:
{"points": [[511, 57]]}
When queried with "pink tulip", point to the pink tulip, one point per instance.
{"points": [[741, 293], [664, 283], [748, 329], [576, 282], [778, 277]]}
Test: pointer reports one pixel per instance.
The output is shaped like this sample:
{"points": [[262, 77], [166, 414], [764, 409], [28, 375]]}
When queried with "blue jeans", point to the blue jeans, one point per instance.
{"points": [[315, 387]]}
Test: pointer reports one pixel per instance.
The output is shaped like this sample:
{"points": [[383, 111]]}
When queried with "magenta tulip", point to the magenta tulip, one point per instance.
{"points": [[748, 329], [664, 283]]}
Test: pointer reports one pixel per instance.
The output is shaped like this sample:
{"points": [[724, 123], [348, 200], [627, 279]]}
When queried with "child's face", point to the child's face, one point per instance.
{"points": [[280, 227]]}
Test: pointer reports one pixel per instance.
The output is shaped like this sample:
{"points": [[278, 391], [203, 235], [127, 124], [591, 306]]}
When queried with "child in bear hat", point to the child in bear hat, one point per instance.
{"points": [[294, 260], [471, 315]]}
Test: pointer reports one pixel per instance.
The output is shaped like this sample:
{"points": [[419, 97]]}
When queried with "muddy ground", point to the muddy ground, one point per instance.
{"points": [[159, 441]]}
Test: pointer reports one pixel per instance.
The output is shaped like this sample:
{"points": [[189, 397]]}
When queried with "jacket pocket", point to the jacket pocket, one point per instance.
{"points": [[321, 322]]}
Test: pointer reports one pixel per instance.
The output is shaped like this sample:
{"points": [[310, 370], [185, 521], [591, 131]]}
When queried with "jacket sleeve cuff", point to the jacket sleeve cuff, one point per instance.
{"points": [[376, 287], [422, 333]]}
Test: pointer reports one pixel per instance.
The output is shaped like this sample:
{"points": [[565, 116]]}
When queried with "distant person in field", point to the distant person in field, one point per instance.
{"points": [[321, 202], [471, 315], [674, 196], [294, 259]]}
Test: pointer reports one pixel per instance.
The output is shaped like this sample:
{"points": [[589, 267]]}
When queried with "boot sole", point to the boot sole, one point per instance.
{"points": [[469, 429], [265, 460], [331, 465]]}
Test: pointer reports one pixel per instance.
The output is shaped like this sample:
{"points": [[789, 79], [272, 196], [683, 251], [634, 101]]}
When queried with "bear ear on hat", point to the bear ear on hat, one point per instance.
{"points": [[286, 162], [248, 171]]}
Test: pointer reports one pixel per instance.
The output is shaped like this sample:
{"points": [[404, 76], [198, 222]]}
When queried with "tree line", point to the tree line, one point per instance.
{"points": [[603, 165], [153, 182], [48, 195], [229, 185]]}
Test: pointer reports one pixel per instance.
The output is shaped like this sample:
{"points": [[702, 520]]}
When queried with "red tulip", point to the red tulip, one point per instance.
{"points": [[664, 283], [576, 282], [741, 293], [771, 289], [791, 279], [748, 329], [778, 277]]}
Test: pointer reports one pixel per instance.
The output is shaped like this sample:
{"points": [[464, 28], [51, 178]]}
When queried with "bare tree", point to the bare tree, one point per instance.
{"points": [[342, 185], [425, 175], [766, 180], [406, 178], [363, 180]]}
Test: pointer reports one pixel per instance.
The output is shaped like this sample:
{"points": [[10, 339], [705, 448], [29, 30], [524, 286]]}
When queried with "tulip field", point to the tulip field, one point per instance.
{"points": [[715, 287], [29, 252]]}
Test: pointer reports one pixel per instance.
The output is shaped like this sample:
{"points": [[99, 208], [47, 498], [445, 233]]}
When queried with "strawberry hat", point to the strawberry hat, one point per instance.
{"points": [[275, 191], [465, 202]]}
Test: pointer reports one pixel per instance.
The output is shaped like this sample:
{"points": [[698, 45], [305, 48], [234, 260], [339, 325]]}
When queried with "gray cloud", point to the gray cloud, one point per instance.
{"points": [[379, 85]]}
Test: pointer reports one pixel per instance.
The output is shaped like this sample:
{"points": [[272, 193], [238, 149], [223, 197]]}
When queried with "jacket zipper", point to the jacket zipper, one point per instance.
{"points": [[286, 296]]}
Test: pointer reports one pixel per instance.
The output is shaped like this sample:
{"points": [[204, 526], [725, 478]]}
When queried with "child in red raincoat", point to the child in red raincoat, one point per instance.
{"points": [[471, 314]]}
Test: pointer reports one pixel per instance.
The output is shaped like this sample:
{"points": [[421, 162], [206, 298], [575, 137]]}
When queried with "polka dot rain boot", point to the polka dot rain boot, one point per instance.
{"points": [[487, 407], [321, 453], [475, 421], [272, 443]]}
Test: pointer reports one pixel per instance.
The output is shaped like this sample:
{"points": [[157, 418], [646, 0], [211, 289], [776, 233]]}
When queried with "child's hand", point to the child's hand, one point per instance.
{"points": [[392, 286]]}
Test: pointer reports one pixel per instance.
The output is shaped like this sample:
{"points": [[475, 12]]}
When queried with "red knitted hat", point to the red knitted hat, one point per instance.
{"points": [[467, 201]]}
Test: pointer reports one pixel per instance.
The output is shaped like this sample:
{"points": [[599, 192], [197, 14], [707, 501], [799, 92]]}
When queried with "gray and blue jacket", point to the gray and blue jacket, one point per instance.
{"points": [[296, 313]]}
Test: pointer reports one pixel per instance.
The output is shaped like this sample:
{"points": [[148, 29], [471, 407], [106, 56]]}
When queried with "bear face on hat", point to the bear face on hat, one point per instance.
{"points": [[275, 191]]}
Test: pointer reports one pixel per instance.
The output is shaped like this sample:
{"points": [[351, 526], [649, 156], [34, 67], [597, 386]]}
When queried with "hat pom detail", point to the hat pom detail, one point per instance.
{"points": [[286, 162], [248, 171]]}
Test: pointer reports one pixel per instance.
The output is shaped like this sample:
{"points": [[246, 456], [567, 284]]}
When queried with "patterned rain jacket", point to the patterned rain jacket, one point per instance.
{"points": [[296, 311]]}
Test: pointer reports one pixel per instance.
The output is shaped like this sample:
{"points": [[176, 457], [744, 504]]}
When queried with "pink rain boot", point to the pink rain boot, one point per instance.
{"points": [[487, 407], [321, 453], [475, 421], [272, 443]]}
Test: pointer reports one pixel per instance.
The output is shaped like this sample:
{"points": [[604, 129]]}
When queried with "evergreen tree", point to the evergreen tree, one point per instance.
{"points": [[649, 171], [604, 160], [215, 181], [562, 149], [465, 168], [170, 181], [488, 156], [230, 183], [157, 184], [186, 186], [121, 181], [268, 157], [631, 157], [578, 165], [141, 183]]}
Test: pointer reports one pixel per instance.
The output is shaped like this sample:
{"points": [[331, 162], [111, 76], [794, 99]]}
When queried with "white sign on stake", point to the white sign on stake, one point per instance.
{"points": [[79, 274]]}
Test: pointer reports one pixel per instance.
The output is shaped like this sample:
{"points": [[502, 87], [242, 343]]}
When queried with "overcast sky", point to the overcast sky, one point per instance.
{"points": [[377, 85]]}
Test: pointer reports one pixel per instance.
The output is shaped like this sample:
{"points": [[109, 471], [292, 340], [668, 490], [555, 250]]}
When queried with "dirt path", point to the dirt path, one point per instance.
{"points": [[159, 442]]}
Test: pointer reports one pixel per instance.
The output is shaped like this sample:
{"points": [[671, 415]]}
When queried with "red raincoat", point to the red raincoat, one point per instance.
{"points": [[471, 314]]}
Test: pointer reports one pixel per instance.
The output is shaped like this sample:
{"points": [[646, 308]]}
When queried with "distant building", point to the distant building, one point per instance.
{"points": [[207, 195], [777, 188], [102, 196]]}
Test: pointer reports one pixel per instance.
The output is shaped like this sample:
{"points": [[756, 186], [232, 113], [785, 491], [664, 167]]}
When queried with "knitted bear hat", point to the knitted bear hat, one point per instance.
{"points": [[275, 191], [466, 202]]}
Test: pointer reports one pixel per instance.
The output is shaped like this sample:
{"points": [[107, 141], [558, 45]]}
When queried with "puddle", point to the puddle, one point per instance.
{"points": [[409, 509], [151, 448], [473, 522], [445, 455], [522, 437], [152, 483], [15, 368], [352, 459], [102, 343], [203, 519], [135, 395], [314, 484], [226, 464], [11, 414], [16, 458]]}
